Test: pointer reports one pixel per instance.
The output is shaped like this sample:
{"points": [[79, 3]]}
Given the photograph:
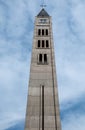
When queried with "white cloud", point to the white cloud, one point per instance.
{"points": [[74, 122], [16, 32], [78, 18], [14, 72]]}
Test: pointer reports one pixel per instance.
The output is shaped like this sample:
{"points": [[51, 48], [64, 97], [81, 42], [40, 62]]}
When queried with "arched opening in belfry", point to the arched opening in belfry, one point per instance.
{"points": [[46, 31], [42, 43], [38, 43], [45, 58], [42, 31], [40, 57], [39, 32], [47, 43]]}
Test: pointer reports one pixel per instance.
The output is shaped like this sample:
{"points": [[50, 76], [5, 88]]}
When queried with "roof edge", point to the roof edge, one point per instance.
{"points": [[43, 13]]}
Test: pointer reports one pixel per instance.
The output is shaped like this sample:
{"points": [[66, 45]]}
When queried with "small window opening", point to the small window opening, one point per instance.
{"points": [[42, 31], [47, 44], [39, 31], [38, 43], [46, 31], [40, 57], [45, 58], [42, 43]]}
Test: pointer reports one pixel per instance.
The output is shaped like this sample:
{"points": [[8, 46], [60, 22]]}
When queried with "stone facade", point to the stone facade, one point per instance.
{"points": [[42, 105]]}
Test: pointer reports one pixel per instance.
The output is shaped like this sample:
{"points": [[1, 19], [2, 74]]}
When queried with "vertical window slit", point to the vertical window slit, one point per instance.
{"points": [[45, 58], [41, 113], [42, 31], [40, 57], [42, 107], [38, 43], [46, 31], [42, 43], [47, 43], [39, 32]]}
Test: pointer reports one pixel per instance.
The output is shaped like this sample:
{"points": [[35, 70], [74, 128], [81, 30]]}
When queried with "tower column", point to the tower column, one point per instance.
{"points": [[42, 111]]}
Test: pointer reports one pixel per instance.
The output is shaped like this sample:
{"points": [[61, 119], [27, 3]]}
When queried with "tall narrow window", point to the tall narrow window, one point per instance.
{"points": [[46, 31], [39, 32], [42, 31], [42, 43], [38, 43], [41, 113], [45, 58], [47, 43], [40, 57], [42, 107]]}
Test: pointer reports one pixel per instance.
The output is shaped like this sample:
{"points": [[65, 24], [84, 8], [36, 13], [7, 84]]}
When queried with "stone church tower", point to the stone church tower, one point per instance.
{"points": [[43, 106]]}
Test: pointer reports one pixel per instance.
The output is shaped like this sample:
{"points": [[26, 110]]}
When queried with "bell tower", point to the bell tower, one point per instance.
{"points": [[42, 111]]}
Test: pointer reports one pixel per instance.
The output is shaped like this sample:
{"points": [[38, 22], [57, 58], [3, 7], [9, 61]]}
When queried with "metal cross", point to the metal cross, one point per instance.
{"points": [[43, 5]]}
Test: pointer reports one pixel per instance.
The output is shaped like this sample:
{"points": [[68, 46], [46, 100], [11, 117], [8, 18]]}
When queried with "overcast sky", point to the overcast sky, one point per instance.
{"points": [[16, 35]]}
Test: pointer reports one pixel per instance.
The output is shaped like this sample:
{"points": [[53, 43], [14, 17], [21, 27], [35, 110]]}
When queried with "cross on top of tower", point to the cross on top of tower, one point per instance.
{"points": [[43, 5]]}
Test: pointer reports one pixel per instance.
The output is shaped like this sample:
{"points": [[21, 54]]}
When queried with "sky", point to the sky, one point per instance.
{"points": [[16, 36]]}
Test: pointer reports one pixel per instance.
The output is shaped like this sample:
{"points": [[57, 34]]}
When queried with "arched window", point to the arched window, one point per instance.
{"points": [[47, 43], [39, 32], [46, 31], [40, 57], [45, 58], [38, 43], [42, 43], [42, 31]]}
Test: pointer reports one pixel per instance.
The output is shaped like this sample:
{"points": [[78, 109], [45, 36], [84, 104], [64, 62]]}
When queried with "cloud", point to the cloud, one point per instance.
{"points": [[14, 74], [15, 50], [70, 55], [16, 34], [73, 114], [74, 122], [18, 126]]}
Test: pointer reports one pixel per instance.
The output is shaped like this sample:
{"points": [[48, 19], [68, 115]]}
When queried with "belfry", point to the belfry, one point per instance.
{"points": [[42, 111]]}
